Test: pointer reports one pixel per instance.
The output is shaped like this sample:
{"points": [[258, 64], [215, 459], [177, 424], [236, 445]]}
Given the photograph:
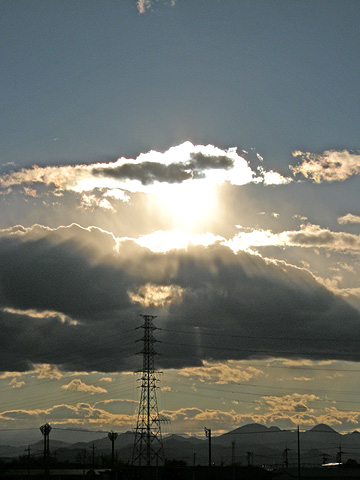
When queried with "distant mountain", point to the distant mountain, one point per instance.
{"points": [[249, 428], [254, 434], [24, 438], [182, 438], [323, 429], [265, 444]]}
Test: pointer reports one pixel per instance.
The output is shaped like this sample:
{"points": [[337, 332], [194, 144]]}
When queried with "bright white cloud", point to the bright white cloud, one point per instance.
{"points": [[273, 178], [164, 241]]}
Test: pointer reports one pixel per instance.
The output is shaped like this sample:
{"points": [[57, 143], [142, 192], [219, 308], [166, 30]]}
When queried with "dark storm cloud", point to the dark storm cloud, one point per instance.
{"points": [[146, 172], [251, 307], [150, 172], [200, 162]]}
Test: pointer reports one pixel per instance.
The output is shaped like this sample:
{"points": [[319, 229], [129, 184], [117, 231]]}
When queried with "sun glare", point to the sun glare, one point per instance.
{"points": [[188, 203]]}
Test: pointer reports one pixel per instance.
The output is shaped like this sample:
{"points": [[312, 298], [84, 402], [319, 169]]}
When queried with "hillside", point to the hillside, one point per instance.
{"points": [[255, 444]]}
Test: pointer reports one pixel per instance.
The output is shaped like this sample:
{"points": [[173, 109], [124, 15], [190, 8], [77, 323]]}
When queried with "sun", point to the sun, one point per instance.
{"points": [[189, 203]]}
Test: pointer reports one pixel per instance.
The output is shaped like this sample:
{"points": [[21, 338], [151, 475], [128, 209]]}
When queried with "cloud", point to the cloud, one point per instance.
{"points": [[221, 373], [79, 386], [14, 383], [154, 296], [143, 5], [309, 236], [47, 371], [90, 277], [348, 218], [146, 173], [81, 414], [294, 403], [330, 166], [90, 202], [273, 178], [285, 411], [40, 314]]}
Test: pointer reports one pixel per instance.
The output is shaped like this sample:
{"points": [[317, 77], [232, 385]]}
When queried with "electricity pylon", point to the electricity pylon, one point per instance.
{"points": [[148, 446]]}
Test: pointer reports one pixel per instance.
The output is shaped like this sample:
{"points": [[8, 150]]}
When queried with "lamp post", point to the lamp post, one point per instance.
{"points": [[208, 435], [45, 430], [112, 437]]}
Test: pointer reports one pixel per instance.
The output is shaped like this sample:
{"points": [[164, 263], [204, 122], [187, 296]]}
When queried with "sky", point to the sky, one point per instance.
{"points": [[193, 160]]}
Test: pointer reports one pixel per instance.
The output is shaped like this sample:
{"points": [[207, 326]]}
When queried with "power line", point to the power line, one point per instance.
{"points": [[259, 352], [196, 331]]}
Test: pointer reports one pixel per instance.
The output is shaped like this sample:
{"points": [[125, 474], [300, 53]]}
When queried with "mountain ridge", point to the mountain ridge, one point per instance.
{"points": [[264, 442]]}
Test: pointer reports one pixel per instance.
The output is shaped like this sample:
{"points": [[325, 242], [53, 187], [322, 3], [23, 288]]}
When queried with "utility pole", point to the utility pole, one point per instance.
{"points": [[339, 455], [233, 459], [325, 458], [298, 449], [286, 458], [148, 446], [45, 430], [112, 437], [28, 450], [250, 458], [93, 457], [208, 435]]}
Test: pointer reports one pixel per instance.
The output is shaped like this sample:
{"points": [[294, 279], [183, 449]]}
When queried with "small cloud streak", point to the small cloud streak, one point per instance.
{"points": [[330, 166]]}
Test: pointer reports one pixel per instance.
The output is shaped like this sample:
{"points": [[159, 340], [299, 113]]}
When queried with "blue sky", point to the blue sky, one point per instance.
{"points": [[198, 160], [105, 81]]}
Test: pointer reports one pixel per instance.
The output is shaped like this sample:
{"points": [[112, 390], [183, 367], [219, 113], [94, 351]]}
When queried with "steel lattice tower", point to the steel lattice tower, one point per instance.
{"points": [[148, 446]]}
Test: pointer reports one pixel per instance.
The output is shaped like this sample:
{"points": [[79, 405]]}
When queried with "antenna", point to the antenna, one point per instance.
{"points": [[148, 446]]}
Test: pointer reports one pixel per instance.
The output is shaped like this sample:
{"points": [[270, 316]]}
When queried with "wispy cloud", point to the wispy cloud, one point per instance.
{"points": [[330, 166]]}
